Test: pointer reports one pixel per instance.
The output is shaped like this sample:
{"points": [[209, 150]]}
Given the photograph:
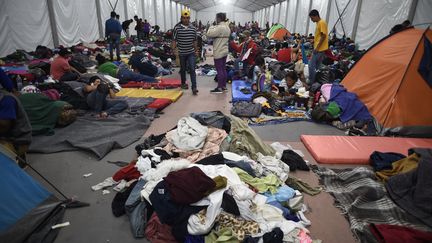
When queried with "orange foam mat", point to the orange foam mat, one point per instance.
{"points": [[356, 150]]}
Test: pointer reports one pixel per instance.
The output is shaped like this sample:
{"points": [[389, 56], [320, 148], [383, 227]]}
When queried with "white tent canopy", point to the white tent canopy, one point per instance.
{"points": [[26, 24], [365, 21]]}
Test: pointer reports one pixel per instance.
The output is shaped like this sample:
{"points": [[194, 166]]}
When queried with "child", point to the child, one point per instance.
{"points": [[262, 79], [291, 83]]}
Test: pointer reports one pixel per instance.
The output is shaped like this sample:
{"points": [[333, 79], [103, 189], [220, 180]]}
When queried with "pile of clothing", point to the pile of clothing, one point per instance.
{"points": [[212, 179]]}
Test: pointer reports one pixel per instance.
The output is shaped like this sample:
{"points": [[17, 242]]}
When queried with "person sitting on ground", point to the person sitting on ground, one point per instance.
{"points": [[263, 80], [284, 54], [60, 68], [122, 72], [247, 50], [291, 83], [96, 93], [276, 49]]}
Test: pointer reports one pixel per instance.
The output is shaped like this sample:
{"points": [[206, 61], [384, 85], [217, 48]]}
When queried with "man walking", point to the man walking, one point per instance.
{"points": [[185, 40], [113, 31], [320, 44]]}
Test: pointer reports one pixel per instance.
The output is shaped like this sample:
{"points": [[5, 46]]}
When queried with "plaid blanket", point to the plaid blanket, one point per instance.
{"points": [[364, 200]]}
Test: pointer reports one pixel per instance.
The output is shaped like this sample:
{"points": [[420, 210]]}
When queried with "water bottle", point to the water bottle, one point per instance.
{"points": [[19, 83]]}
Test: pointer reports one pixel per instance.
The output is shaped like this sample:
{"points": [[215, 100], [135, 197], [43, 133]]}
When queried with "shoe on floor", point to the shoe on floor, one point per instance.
{"points": [[216, 91], [185, 86], [224, 89], [195, 92]]}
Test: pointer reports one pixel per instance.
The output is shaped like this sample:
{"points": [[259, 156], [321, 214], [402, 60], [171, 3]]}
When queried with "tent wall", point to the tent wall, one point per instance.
{"points": [[233, 14], [423, 13], [27, 24], [366, 21], [374, 26]]}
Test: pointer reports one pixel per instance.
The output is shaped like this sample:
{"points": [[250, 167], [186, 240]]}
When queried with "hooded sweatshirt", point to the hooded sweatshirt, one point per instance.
{"points": [[221, 34]]}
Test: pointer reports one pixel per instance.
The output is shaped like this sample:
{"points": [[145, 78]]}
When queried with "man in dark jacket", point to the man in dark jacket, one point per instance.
{"points": [[113, 31]]}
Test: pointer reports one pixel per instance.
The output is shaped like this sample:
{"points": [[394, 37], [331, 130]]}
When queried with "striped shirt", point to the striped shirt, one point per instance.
{"points": [[185, 36]]}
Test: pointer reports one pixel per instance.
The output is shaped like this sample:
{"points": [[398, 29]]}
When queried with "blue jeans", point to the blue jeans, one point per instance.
{"points": [[98, 102], [314, 63], [125, 75], [188, 62], [162, 71], [137, 210], [114, 42]]}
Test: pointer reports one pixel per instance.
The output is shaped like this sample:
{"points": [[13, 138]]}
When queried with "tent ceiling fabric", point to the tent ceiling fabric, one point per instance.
{"points": [[250, 5]]}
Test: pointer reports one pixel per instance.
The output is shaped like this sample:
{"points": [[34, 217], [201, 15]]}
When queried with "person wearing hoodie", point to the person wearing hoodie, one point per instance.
{"points": [[220, 34]]}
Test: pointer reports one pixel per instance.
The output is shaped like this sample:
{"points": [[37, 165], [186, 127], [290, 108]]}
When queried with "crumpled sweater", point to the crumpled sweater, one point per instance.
{"points": [[189, 135]]}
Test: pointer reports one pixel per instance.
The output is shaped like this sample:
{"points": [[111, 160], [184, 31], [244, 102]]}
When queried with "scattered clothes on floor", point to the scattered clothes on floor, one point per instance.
{"points": [[412, 190], [119, 201], [364, 200], [189, 134], [275, 236], [269, 183], [214, 119], [385, 233], [383, 161], [240, 227], [294, 161], [245, 141], [211, 145], [157, 232], [189, 185], [398, 167], [246, 109], [225, 235], [175, 215], [302, 186]]}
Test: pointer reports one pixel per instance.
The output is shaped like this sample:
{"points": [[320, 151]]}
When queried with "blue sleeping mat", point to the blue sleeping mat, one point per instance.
{"points": [[237, 95]]}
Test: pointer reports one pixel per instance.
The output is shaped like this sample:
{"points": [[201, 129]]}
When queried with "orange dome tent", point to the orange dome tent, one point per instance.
{"points": [[278, 32], [388, 79]]}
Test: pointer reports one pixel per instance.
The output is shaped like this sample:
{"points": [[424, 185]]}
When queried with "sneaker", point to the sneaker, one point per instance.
{"points": [[185, 86], [195, 92], [216, 91], [224, 89]]}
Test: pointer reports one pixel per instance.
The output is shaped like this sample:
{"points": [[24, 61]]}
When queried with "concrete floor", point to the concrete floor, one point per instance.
{"points": [[97, 224]]}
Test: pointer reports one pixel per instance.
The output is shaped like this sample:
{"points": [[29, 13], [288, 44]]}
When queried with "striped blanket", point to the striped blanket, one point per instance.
{"points": [[364, 200]]}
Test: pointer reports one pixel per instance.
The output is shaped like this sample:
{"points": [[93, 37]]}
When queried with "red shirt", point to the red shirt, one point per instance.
{"points": [[59, 67], [251, 45], [284, 55]]}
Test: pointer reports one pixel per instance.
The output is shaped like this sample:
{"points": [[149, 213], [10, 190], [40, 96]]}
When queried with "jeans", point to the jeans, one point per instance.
{"points": [[188, 61], [69, 76], [137, 210], [162, 71], [314, 63], [125, 75], [114, 42], [222, 75], [98, 102]]}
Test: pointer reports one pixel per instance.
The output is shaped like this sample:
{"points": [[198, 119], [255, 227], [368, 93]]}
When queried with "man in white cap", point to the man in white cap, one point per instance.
{"points": [[185, 37]]}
